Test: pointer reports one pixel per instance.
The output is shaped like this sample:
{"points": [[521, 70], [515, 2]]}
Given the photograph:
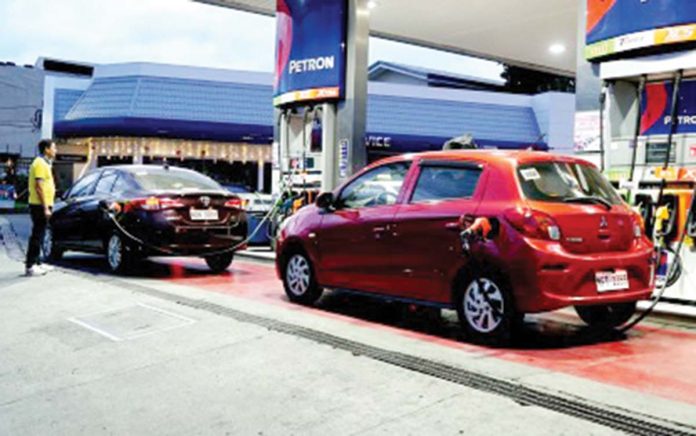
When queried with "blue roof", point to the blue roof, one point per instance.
{"points": [[434, 77], [231, 111], [63, 101], [171, 107], [423, 117]]}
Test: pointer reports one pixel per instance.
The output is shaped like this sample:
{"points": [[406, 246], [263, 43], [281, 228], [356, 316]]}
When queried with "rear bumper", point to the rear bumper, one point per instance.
{"points": [[550, 278], [182, 240]]}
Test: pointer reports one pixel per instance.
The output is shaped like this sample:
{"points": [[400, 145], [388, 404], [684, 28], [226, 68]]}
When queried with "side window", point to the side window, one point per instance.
{"points": [[442, 182], [122, 184], [84, 186], [378, 187], [105, 183]]}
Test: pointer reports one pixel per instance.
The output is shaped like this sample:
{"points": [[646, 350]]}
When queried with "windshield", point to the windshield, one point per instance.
{"points": [[564, 181], [174, 180]]}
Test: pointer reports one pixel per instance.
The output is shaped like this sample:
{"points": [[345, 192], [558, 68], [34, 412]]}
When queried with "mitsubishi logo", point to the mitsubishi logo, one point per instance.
{"points": [[205, 201], [603, 223]]}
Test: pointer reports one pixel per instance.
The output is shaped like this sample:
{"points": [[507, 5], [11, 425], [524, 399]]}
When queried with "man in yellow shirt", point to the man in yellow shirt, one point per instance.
{"points": [[42, 192]]}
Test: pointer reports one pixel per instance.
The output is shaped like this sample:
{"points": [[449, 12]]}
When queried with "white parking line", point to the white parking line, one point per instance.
{"points": [[166, 312], [95, 329]]}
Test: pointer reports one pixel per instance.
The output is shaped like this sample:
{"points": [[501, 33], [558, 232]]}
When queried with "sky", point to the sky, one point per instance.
{"points": [[176, 32]]}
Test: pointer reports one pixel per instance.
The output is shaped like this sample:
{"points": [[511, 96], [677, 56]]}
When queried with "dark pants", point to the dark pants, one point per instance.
{"points": [[38, 230]]}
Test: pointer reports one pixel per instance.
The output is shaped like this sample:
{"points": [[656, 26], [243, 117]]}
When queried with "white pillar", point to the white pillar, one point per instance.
{"points": [[260, 176], [328, 147]]}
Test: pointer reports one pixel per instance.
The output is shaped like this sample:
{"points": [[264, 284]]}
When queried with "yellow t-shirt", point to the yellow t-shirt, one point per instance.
{"points": [[41, 169]]}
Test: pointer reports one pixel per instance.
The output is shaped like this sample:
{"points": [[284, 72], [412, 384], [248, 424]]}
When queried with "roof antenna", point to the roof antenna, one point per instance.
{"points": [[165, 164]]}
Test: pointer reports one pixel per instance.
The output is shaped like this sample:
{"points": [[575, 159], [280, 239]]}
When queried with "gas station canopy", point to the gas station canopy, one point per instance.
{"points": [[538, 34]]}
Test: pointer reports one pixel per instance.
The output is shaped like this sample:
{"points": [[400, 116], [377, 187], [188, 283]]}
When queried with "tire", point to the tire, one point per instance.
{"points": [[119, 256], [220, 262], [49, 251], [299, 280], [486, 309], [606, 316]]}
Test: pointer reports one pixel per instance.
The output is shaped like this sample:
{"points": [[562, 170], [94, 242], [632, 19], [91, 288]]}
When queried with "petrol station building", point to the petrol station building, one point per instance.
{"points": [[221, 121]]}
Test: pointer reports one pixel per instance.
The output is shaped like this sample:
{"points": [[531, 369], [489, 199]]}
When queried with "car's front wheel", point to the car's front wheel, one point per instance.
{"points": [[49, 250], [299, 281], [606, 316], [220, 262], [486, 309], [118, 255]]}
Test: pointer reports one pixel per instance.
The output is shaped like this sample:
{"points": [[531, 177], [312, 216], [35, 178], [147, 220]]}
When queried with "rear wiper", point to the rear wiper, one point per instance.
{"points": [[591, 200]]}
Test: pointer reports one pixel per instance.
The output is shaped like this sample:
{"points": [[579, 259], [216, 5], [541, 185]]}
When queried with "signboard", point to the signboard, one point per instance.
{"points": [[657, 105], [586, 137], [616, 26], [310, 50]]}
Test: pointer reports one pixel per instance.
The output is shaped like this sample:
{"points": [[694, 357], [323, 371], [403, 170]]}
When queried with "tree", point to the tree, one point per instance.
{"points": [[525, 81]]}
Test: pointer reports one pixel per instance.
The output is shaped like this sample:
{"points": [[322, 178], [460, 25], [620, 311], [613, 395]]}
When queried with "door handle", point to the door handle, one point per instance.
{"points": [[378, 231]]}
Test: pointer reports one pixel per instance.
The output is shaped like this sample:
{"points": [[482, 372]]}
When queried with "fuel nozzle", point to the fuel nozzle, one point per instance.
{"points": [[474, 230]]}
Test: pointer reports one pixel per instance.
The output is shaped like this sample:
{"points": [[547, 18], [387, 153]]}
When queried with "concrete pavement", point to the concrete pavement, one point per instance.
{"points": [[87, 353]]}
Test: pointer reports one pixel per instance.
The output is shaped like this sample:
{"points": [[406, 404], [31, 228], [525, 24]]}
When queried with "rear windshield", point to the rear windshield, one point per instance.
{"points": [[174, 180], [563, 181]]}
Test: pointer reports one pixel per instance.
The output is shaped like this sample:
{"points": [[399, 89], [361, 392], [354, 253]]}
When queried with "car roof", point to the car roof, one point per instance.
{"points": [[515, 157], [132, 168]]}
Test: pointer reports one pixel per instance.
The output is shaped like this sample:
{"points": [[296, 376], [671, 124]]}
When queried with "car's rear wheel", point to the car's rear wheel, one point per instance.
{"points": [[119, 257], [299, 280], [486, 309], [606, 316], [50, 252], [220, 262]]}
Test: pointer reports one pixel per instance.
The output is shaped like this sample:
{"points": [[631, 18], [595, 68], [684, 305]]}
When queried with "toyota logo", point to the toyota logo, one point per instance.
{"points": [[205, 201]]}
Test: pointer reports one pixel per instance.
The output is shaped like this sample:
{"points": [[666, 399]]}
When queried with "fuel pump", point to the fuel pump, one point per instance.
{"points": [[648, 151]]}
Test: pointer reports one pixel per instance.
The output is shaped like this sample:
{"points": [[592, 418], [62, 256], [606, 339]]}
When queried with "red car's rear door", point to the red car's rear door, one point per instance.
{"points": [[427, 245]]}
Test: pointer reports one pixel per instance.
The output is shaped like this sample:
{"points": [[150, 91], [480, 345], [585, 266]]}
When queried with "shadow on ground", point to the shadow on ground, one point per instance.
{"points": [[538, 332]]}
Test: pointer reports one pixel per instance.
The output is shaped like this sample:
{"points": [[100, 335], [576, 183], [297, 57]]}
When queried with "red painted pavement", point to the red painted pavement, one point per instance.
{"points": [[652, 360]]}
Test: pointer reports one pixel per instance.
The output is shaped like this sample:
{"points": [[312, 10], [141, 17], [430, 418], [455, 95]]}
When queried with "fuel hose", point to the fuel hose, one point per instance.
{"points": [[602, 107], [636, 133], [674, 122]]}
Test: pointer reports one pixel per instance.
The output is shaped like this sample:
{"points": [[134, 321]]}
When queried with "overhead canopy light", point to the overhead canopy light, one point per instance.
{"points": [[557, 49]]}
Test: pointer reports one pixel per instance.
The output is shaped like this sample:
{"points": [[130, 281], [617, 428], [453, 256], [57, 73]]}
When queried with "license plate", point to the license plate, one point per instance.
{"points": [[611, 281], [204, 214]]}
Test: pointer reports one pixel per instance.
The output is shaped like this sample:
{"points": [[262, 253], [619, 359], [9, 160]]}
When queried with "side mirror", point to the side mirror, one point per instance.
{"points": [[325, 201]]}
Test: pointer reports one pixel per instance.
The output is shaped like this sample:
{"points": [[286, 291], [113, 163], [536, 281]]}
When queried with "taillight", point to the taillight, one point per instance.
{"points": [[533, 223], [234, 203], [153, 204]]}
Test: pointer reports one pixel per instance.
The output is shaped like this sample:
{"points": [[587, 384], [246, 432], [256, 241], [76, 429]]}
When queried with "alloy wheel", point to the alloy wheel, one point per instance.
{"points": [[483, 305], [298, 275], [114, 252]]}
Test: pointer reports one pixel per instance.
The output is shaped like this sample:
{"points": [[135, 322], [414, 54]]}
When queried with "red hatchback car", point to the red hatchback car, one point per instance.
{"points": [[557, 235]]}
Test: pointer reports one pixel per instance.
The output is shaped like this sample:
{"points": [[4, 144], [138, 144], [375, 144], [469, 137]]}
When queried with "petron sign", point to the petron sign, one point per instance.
{"points": [[657, 104], [310, 51], [618, 26]]}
